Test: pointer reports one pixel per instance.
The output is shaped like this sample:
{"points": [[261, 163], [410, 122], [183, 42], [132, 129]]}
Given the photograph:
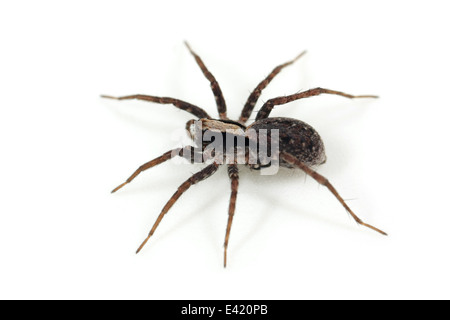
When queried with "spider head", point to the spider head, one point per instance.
{"points": [[199, 130]]}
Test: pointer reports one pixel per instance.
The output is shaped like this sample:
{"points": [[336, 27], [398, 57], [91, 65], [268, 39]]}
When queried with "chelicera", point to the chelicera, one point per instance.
{"points": [[299, 145]]}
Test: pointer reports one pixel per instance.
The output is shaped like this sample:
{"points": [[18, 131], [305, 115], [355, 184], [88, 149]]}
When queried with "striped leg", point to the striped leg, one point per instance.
{"points": [[233, 173], [220, 101], [196, 111], [191, 151], [324, 181], [197, 177], [265, 110], [251, 101]]}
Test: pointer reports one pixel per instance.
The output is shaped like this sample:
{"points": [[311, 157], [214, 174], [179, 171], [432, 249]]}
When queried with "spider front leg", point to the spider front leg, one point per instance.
{"points": [[220, 101], [197, 177], [265, 110], [324, 181], [180, 104], [233, 173], [182, 152]]}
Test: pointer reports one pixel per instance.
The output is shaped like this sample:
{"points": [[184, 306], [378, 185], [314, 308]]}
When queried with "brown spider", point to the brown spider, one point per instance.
{"points": [[300, 146]]}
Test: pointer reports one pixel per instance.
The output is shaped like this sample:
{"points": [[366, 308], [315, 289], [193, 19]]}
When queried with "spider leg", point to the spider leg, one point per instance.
{"points": [[251, 101], [324, 181], [220, 101], [196, 111], [233, 173], [191, 151], [197, 177], [268, 106]]}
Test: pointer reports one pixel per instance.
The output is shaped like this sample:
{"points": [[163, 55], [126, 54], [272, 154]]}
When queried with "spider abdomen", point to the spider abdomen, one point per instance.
{"points": [[296, 138]]}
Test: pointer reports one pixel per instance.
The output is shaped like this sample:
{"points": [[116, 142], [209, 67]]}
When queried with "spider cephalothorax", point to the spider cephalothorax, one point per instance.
{"points": [[298, 145]]}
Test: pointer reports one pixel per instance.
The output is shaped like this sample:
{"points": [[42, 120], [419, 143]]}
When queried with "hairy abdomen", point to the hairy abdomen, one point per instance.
{"points": [[295, 137]]}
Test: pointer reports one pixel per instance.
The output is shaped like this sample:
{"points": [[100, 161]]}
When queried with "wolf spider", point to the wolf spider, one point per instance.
{"points": [[300, 146]]}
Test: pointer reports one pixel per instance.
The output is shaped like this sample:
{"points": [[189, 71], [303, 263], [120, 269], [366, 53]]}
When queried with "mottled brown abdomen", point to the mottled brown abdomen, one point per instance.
{"points": [[295, 137]]}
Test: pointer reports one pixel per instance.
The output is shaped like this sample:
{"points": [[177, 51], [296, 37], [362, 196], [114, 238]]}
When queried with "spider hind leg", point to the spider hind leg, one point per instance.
{"points": [[324, 181]]}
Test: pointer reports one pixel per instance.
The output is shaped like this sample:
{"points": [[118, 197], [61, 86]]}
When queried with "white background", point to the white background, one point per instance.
{"points": [[63, 235]]}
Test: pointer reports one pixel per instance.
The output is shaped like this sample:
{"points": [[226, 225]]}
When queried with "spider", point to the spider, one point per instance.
{"points": [[300, 146]]}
